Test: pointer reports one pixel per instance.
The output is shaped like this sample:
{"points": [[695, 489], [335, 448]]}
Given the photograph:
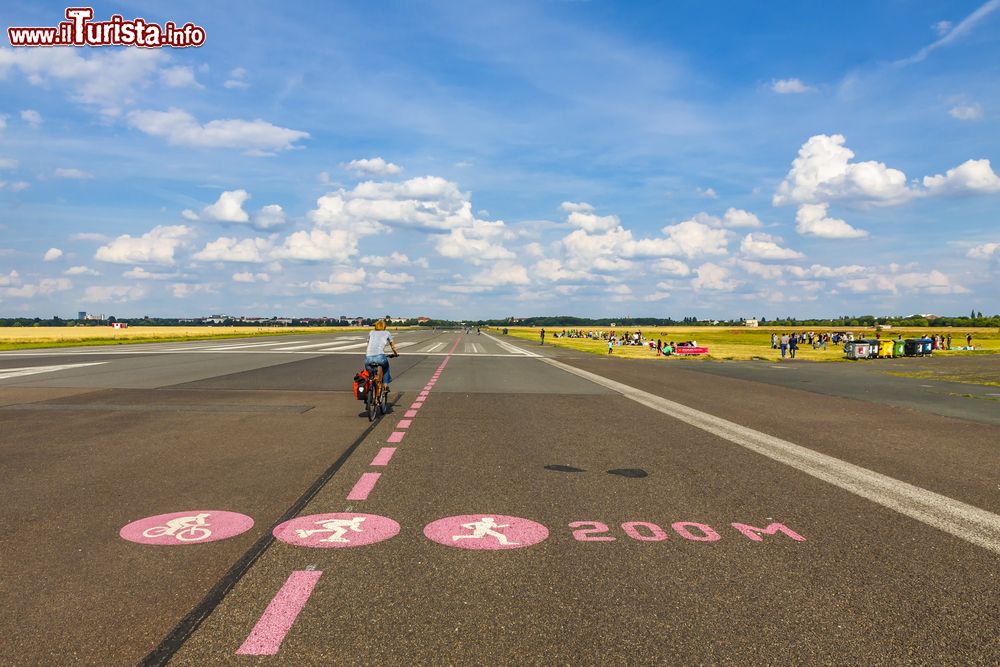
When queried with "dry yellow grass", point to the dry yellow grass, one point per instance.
{"points": [[745, 343], [20, 337]]}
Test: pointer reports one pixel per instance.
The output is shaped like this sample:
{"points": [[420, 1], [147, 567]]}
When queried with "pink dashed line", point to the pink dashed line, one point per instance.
{"points": [[404, 423], [383, 456], [417, 405], [410, 414], [280, 615], [396, 436], [364, 486]]}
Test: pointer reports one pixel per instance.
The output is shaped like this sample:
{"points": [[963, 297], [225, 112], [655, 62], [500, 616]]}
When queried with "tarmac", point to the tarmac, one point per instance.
{"points": [[520, 504]]}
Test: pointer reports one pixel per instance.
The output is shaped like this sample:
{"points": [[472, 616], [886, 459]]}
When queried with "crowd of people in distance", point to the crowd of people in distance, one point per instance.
{"points": [[789, 343], [621, 338]]}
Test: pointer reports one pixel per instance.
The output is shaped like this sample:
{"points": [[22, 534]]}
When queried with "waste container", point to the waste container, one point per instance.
{"points": [[873, 345], [898, 348], [859, 349], [912, 347], [885, 349], [927, 345]]}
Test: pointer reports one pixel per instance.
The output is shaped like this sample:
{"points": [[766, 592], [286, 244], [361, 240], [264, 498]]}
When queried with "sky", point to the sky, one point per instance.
{"points": [[492, 159]]}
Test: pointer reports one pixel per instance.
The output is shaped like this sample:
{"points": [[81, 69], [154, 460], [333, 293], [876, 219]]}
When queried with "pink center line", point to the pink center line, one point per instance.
{"points": [[396, 436], [410, 414], [416, 405], [383, 456], [364, 486], [280, 615], [404, 423]]}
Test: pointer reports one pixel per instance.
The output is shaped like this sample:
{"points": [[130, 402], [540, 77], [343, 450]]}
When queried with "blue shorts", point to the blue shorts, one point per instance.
{"points": [[380, 360]]}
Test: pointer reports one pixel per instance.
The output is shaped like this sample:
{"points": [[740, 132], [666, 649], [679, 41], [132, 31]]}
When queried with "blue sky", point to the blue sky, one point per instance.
{"points": [[489, 159]]}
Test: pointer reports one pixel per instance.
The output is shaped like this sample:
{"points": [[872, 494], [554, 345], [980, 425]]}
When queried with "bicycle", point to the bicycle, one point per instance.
{"points": [[376, 400]]}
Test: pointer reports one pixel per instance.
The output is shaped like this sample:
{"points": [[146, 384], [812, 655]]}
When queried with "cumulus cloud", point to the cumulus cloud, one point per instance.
{"points": [[589, 222], [336, 245], [237, 79], [228, 249], [984, 251], [81, 271], [12, 278], [343, 281], [500, 274], [179, 77], [933, 282], [184, 290], [671, 267], [228, 208], [385, 280], [139, 273], [475, 244], [373, 167], [812, 220], [707, 193], [52, 254], [178, 127], [113, 293], [154, 247], [270, 216], [31, 117], [790, 86], [77, 174], [248, 277], [971, 176], [966, 112], [394, 259], [714, 277], [764, 246], [735, 217]]}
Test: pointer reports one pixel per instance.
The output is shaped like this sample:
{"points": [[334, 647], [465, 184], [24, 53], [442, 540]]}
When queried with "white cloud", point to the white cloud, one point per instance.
{"points": [[693, 239], [811, 220], [707, 193], [966, 112], [386, 280], [671, 267], [227, 249], [394, 259], [972, 176], [374, 167], [343, 281], [229, 207], [237, 79], [31, 117], [12, 278], [116, 293], [139, 273], [52, 254], [81, 271], [790, 86], [337, 245], [552, 270], [269, 216], [942, 27], [179, 77], [576, 207], [8, 163], [16, 186], [713, 277], [184, 290], [933, 282], [764, 246], [154, 247], [589, 222], [952, 34], [248, 277], [180, 128], [823, 172], [474, 244], [89, 236], [984, 251], [78, 174], [765, 271], [735, 217], [500, 274]]}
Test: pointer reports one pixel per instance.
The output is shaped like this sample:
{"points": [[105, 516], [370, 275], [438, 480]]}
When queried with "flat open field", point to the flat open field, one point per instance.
{"points": [[19, 338], [753, 343]]}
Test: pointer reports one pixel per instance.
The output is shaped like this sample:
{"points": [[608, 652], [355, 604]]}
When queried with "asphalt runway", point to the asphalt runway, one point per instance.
{"points": [[518, 505]]}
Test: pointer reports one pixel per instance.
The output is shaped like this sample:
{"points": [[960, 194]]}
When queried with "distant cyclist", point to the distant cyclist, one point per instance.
{"points": [[375, 354]]}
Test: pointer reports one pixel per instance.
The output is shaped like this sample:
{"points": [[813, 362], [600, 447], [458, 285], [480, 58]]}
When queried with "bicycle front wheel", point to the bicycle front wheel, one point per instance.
{"points": [[371, 402]]}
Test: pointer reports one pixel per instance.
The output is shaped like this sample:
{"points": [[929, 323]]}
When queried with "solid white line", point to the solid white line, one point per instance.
{"points": [[432, 348], [957, 518], [7, 373], [303, 347], [512, 348]]}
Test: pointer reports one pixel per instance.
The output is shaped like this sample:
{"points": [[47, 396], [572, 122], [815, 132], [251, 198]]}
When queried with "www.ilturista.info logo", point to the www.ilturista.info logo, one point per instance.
{"points": [[81, 30]]}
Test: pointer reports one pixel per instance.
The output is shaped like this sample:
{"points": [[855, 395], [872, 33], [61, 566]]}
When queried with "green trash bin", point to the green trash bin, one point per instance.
{"points": [[899, 348]]}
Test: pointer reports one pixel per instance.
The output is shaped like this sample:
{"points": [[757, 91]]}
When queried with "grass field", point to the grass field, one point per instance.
{"points": [[748, 343], [21, 338]]}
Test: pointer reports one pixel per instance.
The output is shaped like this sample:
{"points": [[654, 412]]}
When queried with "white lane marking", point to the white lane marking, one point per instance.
{"points": [[512, 348], [254, 344], [344, 347], [336, 350], [304, 347], [952, 516], [7, 373], [434, 347]]}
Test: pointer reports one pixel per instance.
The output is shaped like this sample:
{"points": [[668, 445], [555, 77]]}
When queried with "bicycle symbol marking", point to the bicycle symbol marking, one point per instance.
{"points": [[191, 527], [337, 530], [486, 531]]}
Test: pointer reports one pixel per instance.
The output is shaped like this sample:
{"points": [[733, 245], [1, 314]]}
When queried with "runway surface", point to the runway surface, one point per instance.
{"points": [[225, 503]]}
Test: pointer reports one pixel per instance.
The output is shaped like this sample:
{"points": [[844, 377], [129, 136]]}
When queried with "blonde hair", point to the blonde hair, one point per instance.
{"points": [[380, 325]]}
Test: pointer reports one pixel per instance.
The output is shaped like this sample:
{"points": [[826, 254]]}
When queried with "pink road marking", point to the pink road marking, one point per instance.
{"points": [[396, 436], [404, 423], [364, 486], [423, 394], [336, 531], [383, 456], [281, 612], [410, 414], [190, 527], [486, 531], [417, 405]]}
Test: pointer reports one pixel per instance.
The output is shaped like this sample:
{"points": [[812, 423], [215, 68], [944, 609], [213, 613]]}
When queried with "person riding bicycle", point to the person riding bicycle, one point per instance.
{"points": [[375, 354]]}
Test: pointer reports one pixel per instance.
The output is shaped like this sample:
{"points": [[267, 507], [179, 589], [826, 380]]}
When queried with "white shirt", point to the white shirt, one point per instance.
{"points": [[377, 340]]}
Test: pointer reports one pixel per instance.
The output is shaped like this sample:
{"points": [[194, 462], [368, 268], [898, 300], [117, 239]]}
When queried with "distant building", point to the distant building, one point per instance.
{"points": [[750, 323], [119, 325], [82, 315], [422, 319]]}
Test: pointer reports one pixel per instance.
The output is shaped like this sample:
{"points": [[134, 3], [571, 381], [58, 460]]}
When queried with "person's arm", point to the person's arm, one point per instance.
{"points": [[393, 346]]}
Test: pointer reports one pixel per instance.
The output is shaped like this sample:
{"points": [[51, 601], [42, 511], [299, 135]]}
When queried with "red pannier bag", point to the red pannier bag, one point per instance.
{"points": [[360, 383]]}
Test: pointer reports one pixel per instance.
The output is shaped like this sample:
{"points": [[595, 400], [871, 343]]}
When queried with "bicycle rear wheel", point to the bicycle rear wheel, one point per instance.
{"points": [[374, 395], [383, 402]]}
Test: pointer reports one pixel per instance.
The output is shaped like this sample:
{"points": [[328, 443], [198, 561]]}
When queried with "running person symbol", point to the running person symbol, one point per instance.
{"points": [[482, 528]]}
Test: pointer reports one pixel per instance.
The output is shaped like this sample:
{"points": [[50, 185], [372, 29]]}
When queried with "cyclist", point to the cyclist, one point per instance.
{"points": [[375, 354]]}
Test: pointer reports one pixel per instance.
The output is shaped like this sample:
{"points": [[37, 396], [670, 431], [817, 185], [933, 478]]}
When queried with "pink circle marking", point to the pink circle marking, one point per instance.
{"points": [[337, 530], [486, 531], [191, 527]]}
